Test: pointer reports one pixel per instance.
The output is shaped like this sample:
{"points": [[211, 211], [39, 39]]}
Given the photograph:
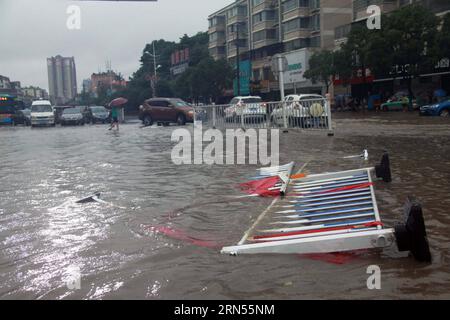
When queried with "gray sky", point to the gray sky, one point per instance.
{"points": [[32, 30]]}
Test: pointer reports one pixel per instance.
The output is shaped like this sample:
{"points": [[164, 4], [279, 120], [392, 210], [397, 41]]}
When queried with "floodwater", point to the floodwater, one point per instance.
{"points": [[46, 239]]}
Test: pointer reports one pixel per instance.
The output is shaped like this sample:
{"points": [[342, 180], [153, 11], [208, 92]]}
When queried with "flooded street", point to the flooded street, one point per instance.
{"points": [[44, 235]]}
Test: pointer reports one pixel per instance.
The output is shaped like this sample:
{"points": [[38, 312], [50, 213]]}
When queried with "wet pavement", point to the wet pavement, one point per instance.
{"points": [[44, 236]]}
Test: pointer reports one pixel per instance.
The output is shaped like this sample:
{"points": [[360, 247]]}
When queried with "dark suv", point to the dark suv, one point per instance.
{"points": [[165, 110]]}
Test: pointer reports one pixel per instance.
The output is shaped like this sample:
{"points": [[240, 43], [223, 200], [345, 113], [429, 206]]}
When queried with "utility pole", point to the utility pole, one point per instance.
{"points": [[154, 67], [238, 67]]}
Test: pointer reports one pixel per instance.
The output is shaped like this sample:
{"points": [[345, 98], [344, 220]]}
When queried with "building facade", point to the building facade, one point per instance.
{"points": [[62, 79], [109, 81], [5, 83], [254, 30]]}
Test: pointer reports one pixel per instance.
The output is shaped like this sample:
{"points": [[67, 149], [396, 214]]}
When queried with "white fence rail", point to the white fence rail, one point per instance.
{"points": [[305, 114]]}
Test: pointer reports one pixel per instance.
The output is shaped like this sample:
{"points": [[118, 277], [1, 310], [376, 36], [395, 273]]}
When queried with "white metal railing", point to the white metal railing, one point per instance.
{"points": [[305, 114]]}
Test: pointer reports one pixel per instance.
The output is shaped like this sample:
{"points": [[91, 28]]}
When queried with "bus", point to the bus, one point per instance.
{"points": [[8, 106]]}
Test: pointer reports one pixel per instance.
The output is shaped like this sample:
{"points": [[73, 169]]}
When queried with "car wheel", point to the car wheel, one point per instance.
{"points": [[181, 120], [147, 121], [444, 113]]}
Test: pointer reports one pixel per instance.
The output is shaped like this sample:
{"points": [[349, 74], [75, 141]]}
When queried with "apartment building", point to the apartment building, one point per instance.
{"points": [[254, 30], [62, 79]]}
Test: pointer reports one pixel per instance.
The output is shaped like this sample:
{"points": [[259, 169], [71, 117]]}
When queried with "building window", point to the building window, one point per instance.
{"points": [[257, 2], [295, 24], [268, 15], [314, 4], [216, 36], [294, 4], [237, 11], [315, 42], [297, 44], [264, 35], [315, 22]]}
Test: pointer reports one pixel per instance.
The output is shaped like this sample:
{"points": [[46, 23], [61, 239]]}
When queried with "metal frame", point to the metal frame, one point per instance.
{"points": [[322, 216]]}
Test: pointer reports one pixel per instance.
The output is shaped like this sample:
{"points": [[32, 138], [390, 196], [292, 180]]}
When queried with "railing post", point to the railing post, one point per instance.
{"points": [[195, 115], [329, 124], [214, 117]]}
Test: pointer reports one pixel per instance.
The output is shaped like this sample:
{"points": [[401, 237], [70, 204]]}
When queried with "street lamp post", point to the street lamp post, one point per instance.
{"points": [[238, 67], [155, 68]]}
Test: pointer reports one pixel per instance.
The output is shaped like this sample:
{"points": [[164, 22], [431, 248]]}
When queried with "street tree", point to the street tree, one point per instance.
{"points": [[444, 37], [410, 43], [321, 68]]}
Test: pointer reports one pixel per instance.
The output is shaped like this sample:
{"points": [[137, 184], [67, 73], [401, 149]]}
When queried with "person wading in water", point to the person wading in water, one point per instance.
{"points": [[114, 118]]}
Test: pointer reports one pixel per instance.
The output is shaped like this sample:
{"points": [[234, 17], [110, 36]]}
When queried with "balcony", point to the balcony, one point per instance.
{"points": [[267, 4], [217, 28], [236, 19], [295, 13], [296, 34], [268, 24], [216, 43], [232, 36], [232, 52], [264, 43], [216, 53]]}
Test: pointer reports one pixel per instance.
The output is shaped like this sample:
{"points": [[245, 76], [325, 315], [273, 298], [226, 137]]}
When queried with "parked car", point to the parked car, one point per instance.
{"points": [[42, 113], [304, 110], [441, 108], [250, 108], [165, 110], [58, 112], [397, 102], [23, 117], [72, 116], [99, 114]]}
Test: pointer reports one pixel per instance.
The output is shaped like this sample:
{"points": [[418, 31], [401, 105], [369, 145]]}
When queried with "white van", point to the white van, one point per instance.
{"points": [[42, 113]]}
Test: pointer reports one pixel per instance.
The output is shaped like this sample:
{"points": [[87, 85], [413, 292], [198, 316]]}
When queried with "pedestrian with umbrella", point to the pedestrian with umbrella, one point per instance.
{"points": [[115, 105]]}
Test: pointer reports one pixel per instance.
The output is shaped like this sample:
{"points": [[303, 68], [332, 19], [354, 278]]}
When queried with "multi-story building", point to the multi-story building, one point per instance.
{"points": [[109, 80], [11, 87], [254, 30], [35, 93], [5, 83], [62, 79]]}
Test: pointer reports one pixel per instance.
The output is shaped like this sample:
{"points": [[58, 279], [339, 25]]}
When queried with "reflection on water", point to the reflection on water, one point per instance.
{"points": [[45, 236]]}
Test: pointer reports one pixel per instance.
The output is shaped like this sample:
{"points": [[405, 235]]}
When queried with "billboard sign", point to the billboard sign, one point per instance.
{"points": [[296, 66], [245, 73]]}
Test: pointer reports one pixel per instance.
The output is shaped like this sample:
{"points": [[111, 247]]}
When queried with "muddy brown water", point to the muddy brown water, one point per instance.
{"points": [[43, 235]]}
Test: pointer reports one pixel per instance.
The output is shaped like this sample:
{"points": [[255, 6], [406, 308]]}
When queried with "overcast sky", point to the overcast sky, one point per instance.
{"points": [[32, 30]]}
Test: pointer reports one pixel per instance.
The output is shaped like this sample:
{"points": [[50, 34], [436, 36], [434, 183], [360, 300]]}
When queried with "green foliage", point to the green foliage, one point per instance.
{"points": [[204, 79], [411, 39], [444, 37], [408, 44], [321, 67]]}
